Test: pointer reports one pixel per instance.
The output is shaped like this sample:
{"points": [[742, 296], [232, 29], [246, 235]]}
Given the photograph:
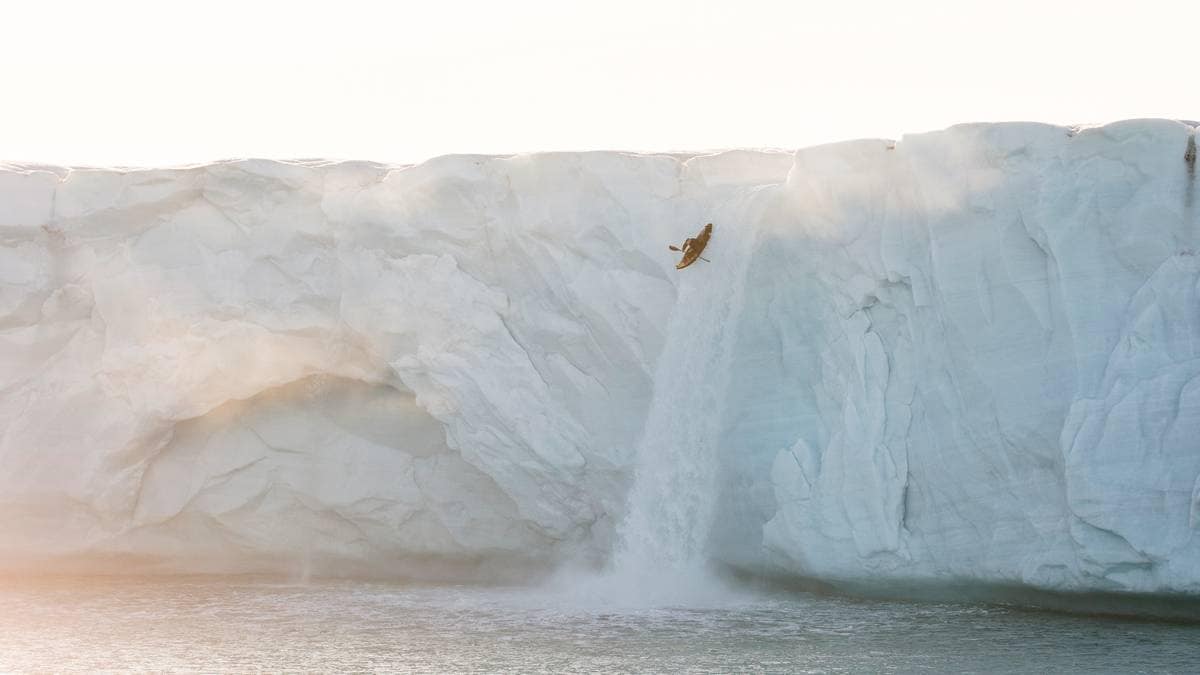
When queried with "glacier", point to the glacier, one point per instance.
{"points": [[967, 358]]}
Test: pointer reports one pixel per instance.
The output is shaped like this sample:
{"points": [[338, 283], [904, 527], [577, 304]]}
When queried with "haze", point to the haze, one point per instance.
{"points": [[156, 83]]}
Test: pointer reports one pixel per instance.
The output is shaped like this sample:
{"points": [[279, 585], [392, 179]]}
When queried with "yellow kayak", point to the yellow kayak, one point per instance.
{"points": [[693, 247]]}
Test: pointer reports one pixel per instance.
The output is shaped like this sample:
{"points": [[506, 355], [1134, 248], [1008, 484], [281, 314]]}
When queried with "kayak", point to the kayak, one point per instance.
{"points": [[692, 248]]}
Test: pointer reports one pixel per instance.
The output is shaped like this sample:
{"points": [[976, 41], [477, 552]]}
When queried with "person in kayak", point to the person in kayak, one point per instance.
{"points": [[693, 247]]}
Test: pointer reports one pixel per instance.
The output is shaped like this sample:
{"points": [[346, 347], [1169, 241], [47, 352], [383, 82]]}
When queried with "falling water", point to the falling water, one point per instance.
{"points": [[670, 508]]}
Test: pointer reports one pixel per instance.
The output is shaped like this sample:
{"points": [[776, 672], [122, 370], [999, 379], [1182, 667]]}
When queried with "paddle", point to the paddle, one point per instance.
{"points": [[676, 248]]}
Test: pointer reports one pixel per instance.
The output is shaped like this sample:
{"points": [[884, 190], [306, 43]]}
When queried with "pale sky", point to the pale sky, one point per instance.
{"points": [[129, 82]]}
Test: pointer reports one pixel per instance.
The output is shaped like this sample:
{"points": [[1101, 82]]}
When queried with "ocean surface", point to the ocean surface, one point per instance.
{"points": [[245, 624]]}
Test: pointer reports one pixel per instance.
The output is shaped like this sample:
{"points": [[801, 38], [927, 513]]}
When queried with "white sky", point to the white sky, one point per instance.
{"points": [[129, 82]]}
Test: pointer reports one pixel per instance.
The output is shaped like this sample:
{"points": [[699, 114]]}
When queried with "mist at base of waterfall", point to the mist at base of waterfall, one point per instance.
{"points": [[209, 623]]}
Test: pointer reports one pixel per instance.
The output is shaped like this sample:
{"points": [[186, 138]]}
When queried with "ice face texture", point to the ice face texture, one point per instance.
{"points": [[970, 356]]}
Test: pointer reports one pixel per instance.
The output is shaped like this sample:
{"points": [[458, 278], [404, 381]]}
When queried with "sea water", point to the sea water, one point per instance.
{"points": [[243, 624]]}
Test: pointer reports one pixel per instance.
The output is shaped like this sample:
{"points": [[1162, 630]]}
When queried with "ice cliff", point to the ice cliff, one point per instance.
{"points": [[968, 357]]}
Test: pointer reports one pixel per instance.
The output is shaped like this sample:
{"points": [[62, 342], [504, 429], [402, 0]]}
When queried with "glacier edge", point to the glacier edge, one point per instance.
{"points": [[969, 356]]}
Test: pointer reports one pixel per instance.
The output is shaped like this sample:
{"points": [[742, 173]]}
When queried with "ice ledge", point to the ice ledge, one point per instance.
{"points": [[968, 354]]}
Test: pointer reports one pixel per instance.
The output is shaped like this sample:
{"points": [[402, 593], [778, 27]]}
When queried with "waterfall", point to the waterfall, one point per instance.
{"points": [[670, 508]]}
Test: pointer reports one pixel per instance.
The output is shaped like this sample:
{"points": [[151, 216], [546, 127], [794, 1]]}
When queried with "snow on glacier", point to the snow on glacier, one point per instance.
{"points": [[969, 356]]}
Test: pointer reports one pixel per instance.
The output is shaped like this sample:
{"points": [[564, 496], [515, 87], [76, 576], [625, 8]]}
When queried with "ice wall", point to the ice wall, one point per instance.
{"points": [[966, 357], [972, 357]]}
